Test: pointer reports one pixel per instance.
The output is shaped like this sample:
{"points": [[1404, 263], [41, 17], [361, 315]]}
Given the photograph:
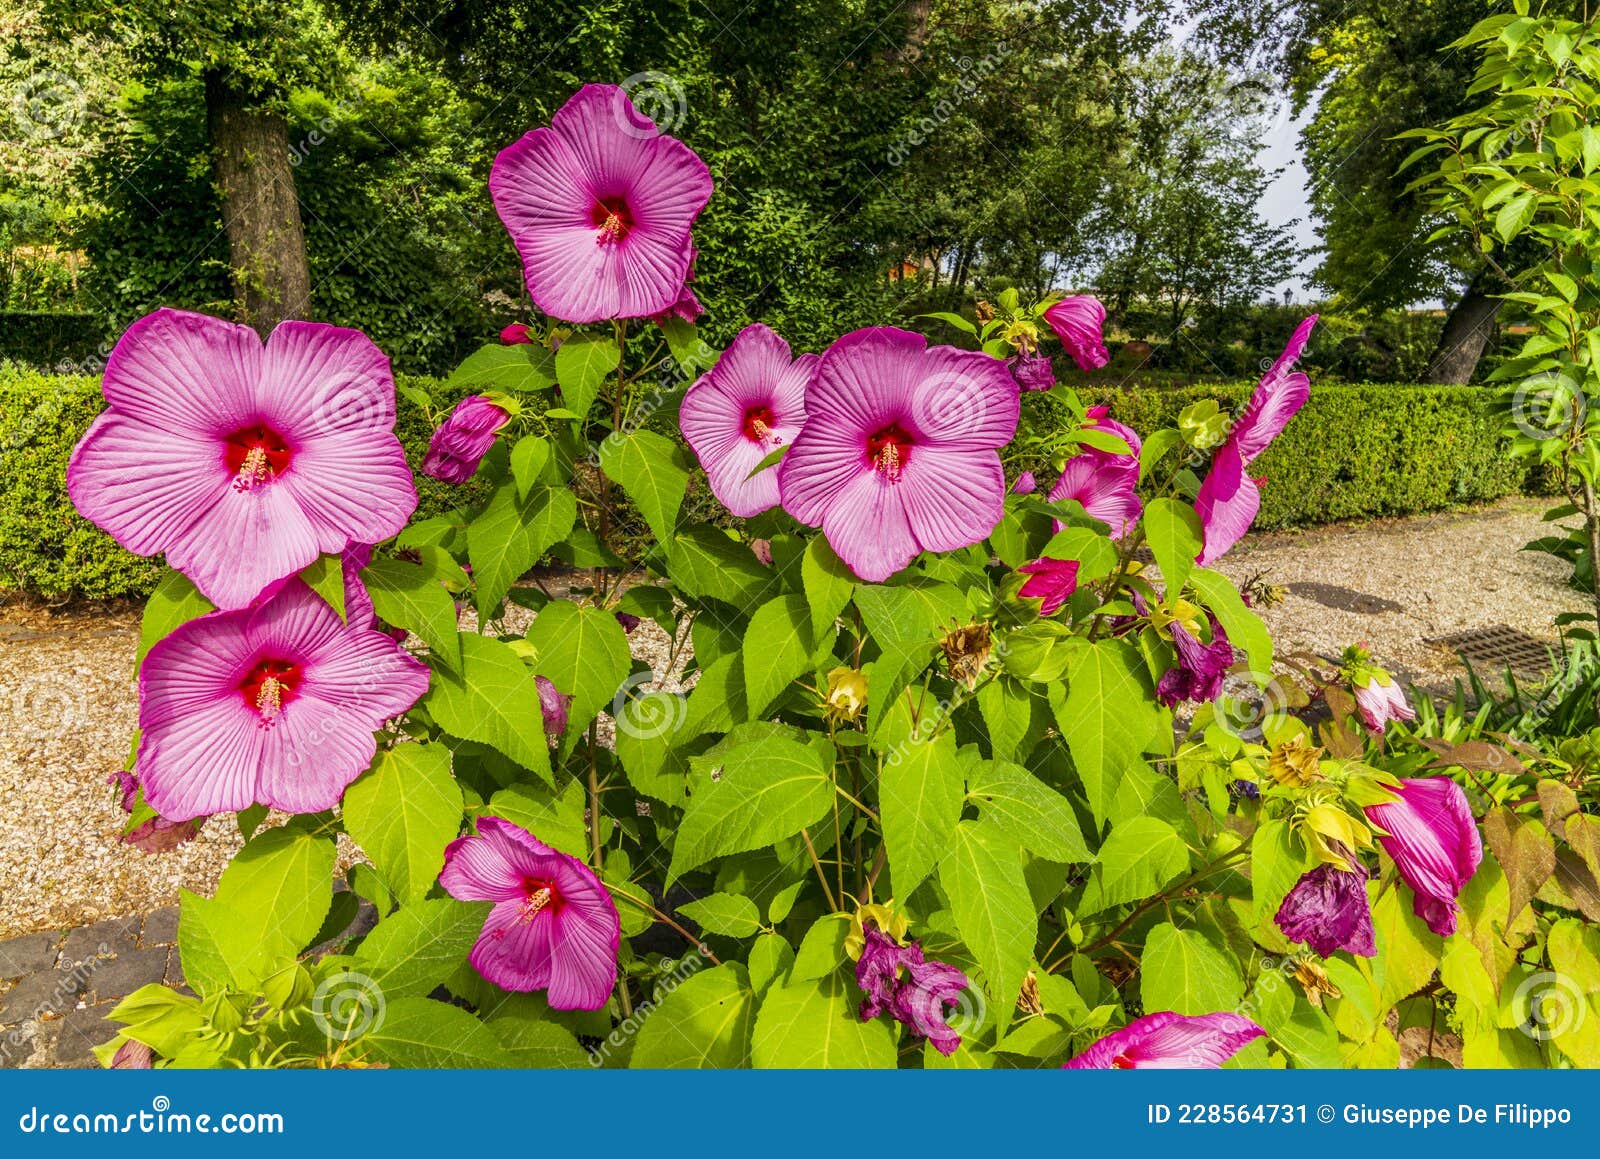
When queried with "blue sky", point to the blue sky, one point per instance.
{"points": [[1286, 198]]}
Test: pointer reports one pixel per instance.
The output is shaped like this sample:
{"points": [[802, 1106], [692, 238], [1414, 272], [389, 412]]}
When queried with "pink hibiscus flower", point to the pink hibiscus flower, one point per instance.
{"points": [[1168, 1041], [1229, 498], [1078, 322], [900, 449], [599, 205], [463, 439], [1105, 482], [749, 404], [274, 705], [1049, 580], [1430, 834], [553, 925], [242, 463]]}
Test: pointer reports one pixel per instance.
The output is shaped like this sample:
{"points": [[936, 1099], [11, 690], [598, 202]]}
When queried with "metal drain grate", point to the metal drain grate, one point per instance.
{"points": [[1499, 647]]}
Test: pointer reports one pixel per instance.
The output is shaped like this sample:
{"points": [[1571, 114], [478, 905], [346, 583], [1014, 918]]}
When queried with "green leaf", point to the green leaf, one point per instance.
{"points": [[493, 700], [703, 1023], [770, 959], [1245, 629], [528, 460], [828, 585], [418, 946], [582, 363], [423, 1034], [814, 1025], [325, 576], [1141, 855], [1276, 862], [1107, 716], [707, 564], [283, 882], [583, 651], [729, 914], [1173, 530], [1184, 972], [402, 813], [766, 791], [175, 601], [650, 468], [1007, 708], [768, 461], [906, 622], [688, 349], [535, 1043], [982, 875], [405, 595], [520, 367], [1515, 215], [778, 646], [920, 792], [224, 948], [955, 320], [557, 819], [1028, 810], [510, 535]]}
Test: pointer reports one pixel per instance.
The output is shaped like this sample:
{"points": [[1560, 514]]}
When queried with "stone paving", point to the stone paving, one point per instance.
{"points": [[57, 987]]}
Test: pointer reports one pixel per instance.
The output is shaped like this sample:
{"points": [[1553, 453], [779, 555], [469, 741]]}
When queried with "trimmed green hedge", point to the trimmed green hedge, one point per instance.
{"points": [[48, 338], [1353, 452]]}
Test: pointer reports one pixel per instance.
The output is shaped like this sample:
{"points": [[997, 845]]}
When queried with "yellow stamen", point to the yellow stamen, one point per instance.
{"points": [[269, 701], [610, 229], [537, 900], [889, 460], [256, 468]]}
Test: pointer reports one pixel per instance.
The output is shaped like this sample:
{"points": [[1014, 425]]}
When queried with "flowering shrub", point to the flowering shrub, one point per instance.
{"points": [[967, 774]]}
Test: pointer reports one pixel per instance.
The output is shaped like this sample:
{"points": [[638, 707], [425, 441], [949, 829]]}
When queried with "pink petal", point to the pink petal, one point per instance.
{"points": [[189, 374], [1203, 1042], [1277, 398], [205, 760], [475, 870], [514, 954], [952, 498], [825, 460], [246, 540], [1227, 504], [312, 753], [1104, 485], [965, 398], [143, 485], [867, 526]]}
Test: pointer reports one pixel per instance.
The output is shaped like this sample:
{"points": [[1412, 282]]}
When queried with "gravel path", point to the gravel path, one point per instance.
{"points": [[67, 706]]}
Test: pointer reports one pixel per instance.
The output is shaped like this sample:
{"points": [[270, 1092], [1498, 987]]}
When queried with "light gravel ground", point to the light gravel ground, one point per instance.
{"points": [[67, 706]]}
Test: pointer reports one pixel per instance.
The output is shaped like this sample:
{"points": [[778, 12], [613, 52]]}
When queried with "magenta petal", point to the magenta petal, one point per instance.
{"points": [[1227, 504], [952, 497], [476, 870], [1105, 486], [1168, 1041], [1434, 842], [205, 761], [189, 374], [868, 528], [587, 934], [512, 953], [1078, 322]]}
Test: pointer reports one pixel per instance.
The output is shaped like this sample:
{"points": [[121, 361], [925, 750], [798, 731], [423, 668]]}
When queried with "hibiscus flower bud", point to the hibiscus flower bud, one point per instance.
{"points": [[463, 439], [1378, 697], [1430, 834], [628, 621], [516, 334], [1050, 581], [1026, 484], [846, 698], [553, 706], [1078, 321]]}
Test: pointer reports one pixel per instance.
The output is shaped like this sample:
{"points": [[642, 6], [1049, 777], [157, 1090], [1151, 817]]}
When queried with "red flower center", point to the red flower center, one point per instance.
{"points": [[758, 424], [611, 217], [538, 896], [1123, 1062], [889, 450], [255, 455], [269, 687]]}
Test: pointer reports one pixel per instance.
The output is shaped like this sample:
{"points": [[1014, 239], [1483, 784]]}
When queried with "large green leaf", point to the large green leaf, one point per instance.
{"points": [[1141, 855], [982, 875], [582, 363], [705, 1022], [763, 792], [583, 651], [557, 819], [511, 534], [493, 700], [1173, 532], [407, 596], [1028, 810], [828, 584], [536, 1043], [731, 914], [814, 1025], [418, 946], [282, 881], [523, 366], [1108, 717], [419, 1033], [778, 647], [402, 813], [325, 576], [1183, 971], [225, 948], [920, 792], [1007, 708], [1276, 861], [707, 564], [651, 469], [175, 601], [906, 622]]}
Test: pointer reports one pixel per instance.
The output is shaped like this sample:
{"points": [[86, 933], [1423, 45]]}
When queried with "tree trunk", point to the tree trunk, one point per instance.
{"points": [[266, 245], [1465, 336]]}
